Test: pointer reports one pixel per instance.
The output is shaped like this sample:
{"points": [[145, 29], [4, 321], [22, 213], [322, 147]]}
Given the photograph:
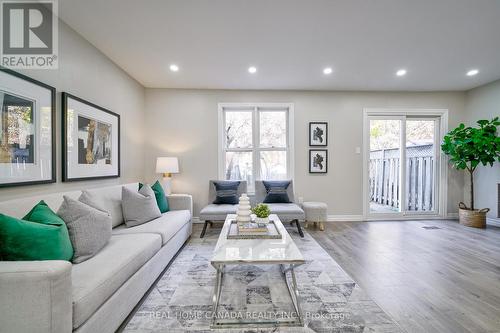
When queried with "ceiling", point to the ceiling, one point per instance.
{"points": [[290, 42]]}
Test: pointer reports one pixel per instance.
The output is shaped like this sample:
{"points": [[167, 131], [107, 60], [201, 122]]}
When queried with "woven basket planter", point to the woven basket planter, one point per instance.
{"points": [[472, 218]]}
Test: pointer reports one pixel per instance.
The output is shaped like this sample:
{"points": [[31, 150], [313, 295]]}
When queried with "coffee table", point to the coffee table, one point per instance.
{"points": [[282, 252]]}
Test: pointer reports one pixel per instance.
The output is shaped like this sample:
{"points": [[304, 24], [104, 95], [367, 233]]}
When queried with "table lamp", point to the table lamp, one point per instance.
{"points": [[167, 166]]}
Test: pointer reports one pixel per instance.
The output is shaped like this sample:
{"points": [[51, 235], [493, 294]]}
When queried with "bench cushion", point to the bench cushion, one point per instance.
{"points": [[166, 225], [214, 212], [287, 212], [98, 278]]}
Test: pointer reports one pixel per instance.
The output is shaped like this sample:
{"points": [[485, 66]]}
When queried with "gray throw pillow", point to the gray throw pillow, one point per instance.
{"points": [[89, 228], [139, 207]]}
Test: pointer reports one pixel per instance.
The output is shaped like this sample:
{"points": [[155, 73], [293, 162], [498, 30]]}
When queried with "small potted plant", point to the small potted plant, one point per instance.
{"points": [[468, 147], [262, 213]]}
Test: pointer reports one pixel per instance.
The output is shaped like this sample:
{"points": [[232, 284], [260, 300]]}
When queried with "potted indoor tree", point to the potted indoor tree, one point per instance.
{"points": [[262, 213], [468, 147]]}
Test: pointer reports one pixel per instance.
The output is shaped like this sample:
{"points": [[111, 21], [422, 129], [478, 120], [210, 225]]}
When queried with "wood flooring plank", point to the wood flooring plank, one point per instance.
{"points": [[428, 280]]}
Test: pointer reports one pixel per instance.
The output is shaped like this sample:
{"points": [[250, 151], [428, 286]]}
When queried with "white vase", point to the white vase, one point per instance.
{"points": [[261, 219], [244, 210]]}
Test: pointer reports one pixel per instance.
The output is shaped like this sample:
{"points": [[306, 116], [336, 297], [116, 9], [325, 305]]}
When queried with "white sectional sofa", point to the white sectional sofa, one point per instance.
{"points": [[98, 294]]}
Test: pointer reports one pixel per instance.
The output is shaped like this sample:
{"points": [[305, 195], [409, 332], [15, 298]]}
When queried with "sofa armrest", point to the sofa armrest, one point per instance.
{"points": [[180, 202], [35, 296]]}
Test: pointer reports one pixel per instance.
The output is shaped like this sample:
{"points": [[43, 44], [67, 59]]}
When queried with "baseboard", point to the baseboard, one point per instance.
{"points": [[345, 218], [493, 221], [360, 218]]}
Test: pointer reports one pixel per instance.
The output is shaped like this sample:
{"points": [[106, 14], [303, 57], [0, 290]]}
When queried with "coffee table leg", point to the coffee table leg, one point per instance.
{"points": [[217, 291], [293, 290]]}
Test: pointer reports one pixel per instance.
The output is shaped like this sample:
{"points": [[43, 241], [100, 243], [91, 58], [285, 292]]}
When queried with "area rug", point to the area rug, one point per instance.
{"points": [[331, 301]]}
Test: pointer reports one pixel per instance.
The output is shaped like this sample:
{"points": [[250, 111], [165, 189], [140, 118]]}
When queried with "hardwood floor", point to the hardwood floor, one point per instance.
{"points": [[427, 280]]}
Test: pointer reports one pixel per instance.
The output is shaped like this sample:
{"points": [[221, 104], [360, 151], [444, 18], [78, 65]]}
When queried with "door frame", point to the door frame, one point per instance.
{"points": [[442, 168]]}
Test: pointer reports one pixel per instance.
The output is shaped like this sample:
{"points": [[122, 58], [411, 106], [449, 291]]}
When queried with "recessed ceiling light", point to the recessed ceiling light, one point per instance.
{"points": [[327, 70], [401, 72], [472, 72], [174, 68], [252, 69]]}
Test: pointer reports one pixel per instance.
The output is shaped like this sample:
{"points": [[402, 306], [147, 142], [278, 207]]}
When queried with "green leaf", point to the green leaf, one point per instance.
{"points": [[473, 145]]}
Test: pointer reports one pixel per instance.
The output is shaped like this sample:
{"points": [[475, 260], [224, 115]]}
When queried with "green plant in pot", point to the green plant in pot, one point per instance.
{"points": [[262, 213], [469, 147]]}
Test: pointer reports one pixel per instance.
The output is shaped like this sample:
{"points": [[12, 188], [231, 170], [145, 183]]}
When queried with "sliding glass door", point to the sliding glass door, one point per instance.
{"points": [[420, 168], [384, 165], [402, 165]]}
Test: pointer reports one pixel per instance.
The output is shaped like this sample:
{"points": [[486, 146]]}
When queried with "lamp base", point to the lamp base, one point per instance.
{"points": [[167, 185]]}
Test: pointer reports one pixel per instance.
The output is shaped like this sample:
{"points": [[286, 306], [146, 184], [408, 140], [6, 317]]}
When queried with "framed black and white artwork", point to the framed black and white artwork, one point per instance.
{"points": [[318, 134], [27, 130], [91, 140], [318, 161]]}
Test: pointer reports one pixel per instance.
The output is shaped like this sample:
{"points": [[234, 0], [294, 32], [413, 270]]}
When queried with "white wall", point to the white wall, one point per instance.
{"points": [[183, 123], [484, 103], [85, 72]]}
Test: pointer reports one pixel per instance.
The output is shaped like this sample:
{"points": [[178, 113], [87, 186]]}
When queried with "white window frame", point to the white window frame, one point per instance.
{"points": [[442, 166], [256, 149]]}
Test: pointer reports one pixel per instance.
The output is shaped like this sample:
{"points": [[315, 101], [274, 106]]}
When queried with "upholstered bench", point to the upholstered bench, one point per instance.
{"points": [[217, 212], [287, 212], [316, 212]]}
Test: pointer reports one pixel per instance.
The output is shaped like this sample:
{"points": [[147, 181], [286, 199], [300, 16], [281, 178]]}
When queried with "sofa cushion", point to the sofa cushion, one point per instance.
{"points": [[96, 279], [139, 206], [214, 212], [110, 198], [91, 200], [287, 212], [89, 228], [161, 198], [40, 235], [166, 225]]}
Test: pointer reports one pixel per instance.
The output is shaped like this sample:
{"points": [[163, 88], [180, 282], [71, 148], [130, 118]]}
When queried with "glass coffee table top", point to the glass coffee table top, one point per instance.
{"points": [[271, 251]]}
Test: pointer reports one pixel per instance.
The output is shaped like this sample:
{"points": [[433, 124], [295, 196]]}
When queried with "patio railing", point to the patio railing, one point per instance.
{"points": [[385, 183]]}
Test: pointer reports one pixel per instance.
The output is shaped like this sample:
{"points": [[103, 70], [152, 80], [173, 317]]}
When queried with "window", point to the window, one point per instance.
{"points": [[255, 142]]}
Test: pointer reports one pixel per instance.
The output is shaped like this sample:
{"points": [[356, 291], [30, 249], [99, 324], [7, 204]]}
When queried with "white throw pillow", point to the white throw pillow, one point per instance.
{"points": [[139, 206], [90, 199]]}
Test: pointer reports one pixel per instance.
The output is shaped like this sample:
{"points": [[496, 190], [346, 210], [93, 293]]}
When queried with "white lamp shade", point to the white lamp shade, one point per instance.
{"points": [[167, 165]]}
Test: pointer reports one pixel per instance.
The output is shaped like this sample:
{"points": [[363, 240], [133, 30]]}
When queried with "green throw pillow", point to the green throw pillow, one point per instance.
{"points": [[161, 199], [40, 235]]}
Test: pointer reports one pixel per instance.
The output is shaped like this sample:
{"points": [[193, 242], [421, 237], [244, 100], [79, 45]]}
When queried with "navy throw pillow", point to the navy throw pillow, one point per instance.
{"points": [[227, 192], [276, 191]]}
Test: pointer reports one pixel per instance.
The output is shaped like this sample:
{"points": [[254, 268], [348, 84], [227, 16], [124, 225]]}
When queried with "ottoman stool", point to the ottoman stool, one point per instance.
{"points": [[316, 212]]}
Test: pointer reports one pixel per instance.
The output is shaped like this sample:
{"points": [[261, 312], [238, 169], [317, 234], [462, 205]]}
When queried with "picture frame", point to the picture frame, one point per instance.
{"points": [[318, 134], [90, 140], [27, 130], [318, 161]]}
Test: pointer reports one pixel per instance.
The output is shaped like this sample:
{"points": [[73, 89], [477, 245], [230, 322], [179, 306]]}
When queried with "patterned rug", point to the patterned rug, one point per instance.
{"points": [[331, 301]]}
